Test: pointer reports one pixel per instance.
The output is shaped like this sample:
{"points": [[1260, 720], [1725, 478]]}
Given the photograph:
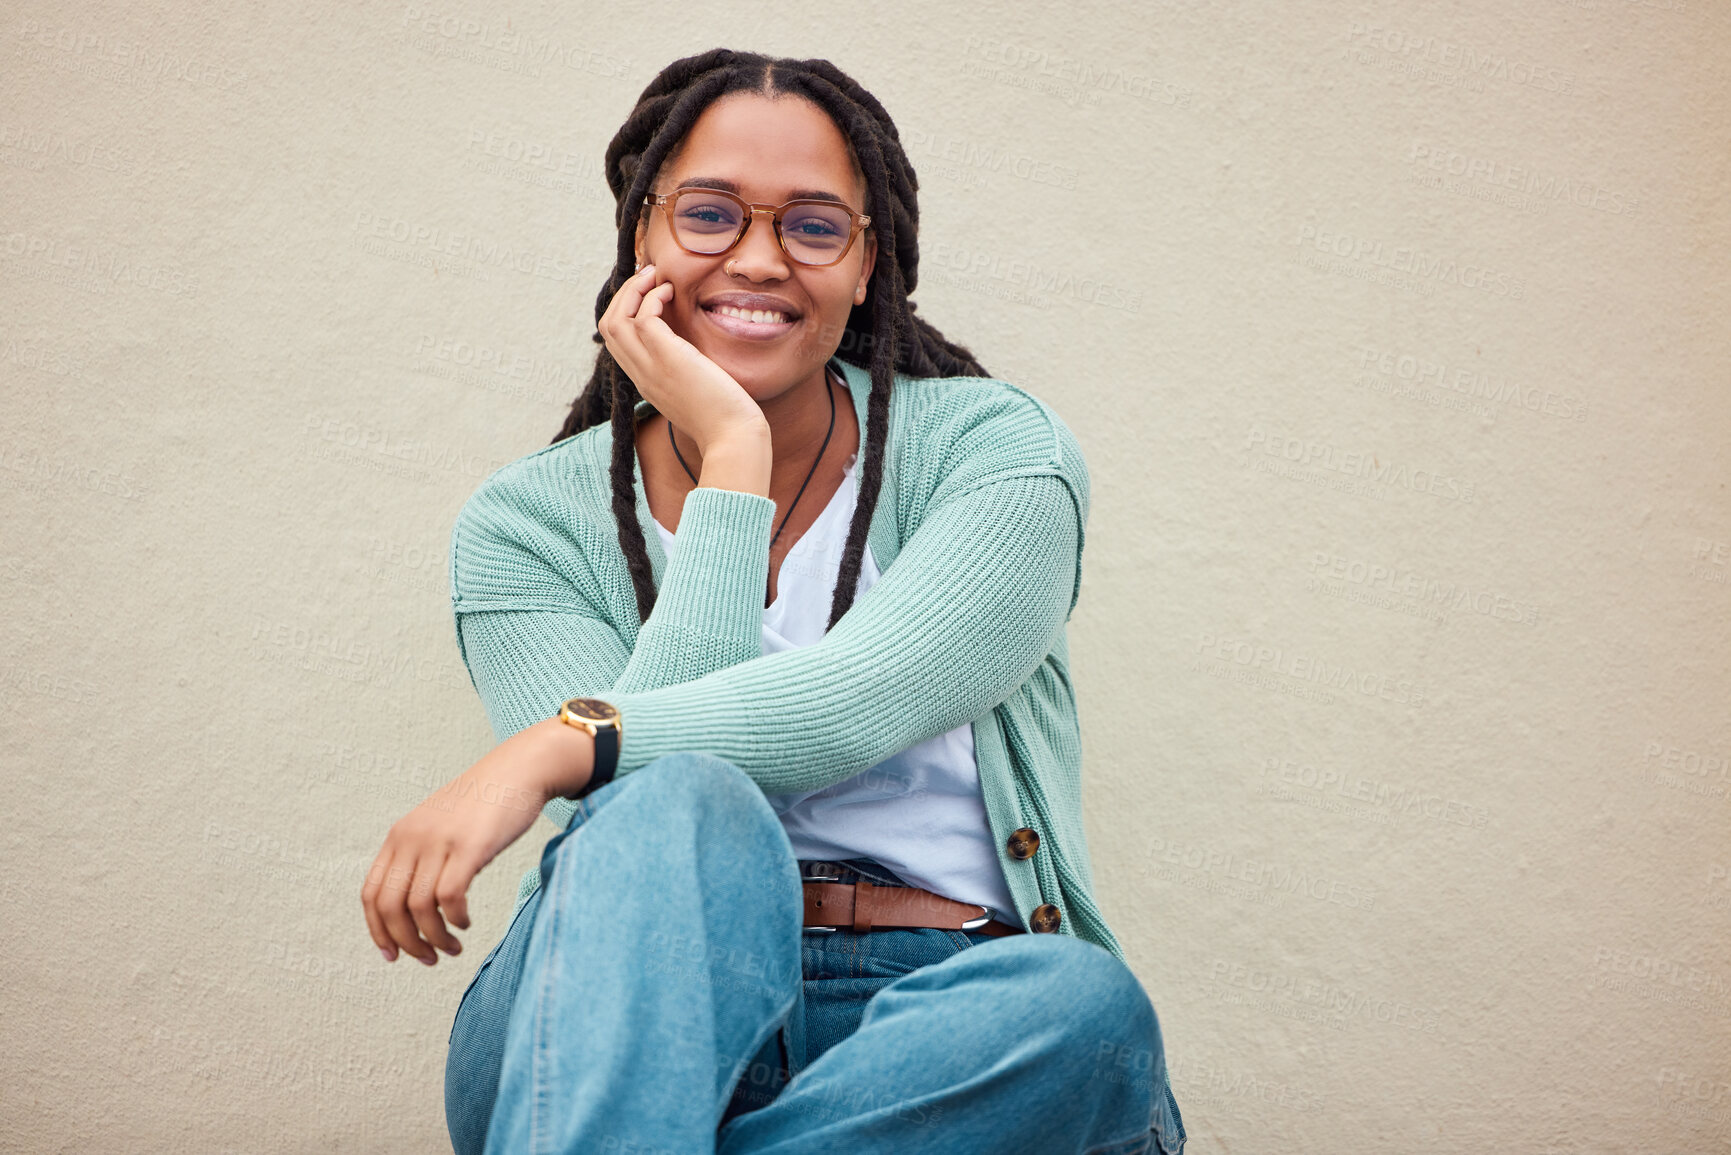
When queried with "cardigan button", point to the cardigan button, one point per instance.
{"points": [[1044, 919], [1023, 842]]}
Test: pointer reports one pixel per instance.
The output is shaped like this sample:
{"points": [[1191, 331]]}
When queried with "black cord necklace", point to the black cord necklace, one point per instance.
{"points": [[828, 389]]}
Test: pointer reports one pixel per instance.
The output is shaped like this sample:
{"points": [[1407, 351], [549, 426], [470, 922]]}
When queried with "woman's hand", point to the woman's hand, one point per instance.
{"points": [[421, 876], [700, 397]]}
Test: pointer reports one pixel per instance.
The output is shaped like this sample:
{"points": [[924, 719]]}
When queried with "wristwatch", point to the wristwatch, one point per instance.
{"points": [[600, 720]]}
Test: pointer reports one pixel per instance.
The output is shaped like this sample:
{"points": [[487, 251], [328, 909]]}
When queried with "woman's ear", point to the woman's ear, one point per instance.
{"points": [[865, 272]]}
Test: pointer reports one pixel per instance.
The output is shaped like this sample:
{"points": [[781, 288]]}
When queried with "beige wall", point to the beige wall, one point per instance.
{"points": [[1476, 898]]}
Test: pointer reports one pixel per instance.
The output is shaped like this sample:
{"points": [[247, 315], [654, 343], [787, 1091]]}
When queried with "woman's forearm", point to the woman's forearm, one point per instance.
{"points": [[741, 462]]}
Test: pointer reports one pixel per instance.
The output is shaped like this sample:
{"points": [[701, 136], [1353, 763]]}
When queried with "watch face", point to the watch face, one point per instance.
{"points": [[591, 710]]}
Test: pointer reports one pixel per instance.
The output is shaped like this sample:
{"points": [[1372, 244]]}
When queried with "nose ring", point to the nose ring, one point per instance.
{"points": [[728, 267]]}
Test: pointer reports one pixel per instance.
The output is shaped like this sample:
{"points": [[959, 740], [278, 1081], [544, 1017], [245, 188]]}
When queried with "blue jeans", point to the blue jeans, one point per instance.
{"points": [[658, 996]]}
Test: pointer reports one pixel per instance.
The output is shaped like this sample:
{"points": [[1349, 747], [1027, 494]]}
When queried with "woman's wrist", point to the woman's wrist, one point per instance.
{"points": [[739, 462], [570, 757]]}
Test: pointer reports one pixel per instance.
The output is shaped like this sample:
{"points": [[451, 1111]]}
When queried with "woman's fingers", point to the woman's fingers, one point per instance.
{"points": [[630, 294], [655, 300], [371, 889], [654, 335], [671, 356], [616, 321], [424, 906], [452, 890], [638, 343], [391, 902]]}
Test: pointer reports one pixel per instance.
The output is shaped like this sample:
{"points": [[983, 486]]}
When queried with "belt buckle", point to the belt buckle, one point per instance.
{"points": [[820, 872], [985, 917]]}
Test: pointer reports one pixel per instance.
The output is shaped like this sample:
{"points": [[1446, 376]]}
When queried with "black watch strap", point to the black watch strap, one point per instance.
{"points": [[606, 758]]}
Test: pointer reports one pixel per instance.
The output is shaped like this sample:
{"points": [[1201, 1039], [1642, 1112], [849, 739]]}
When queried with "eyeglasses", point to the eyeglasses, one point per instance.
{"points": [[708, 222]]}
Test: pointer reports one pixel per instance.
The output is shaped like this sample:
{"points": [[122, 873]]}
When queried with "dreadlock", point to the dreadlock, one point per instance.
{"points": [[882, 335]]}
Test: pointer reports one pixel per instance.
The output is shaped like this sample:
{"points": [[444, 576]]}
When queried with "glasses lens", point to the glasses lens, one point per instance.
{"points": [[816, 233], [703, 221]]}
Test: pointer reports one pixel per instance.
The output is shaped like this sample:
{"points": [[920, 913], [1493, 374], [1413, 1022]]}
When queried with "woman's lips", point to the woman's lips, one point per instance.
{"points": [[747, 330]]}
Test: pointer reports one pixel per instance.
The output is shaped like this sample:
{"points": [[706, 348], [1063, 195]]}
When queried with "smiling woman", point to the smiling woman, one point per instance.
{"points": [[769, 315], [821, 880]]}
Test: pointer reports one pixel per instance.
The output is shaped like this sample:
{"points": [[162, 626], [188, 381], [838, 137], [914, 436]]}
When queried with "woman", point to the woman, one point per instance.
{"points": [[822, 882]]}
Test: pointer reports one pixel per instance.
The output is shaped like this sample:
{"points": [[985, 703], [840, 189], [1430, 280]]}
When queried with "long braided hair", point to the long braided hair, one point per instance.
{"points": [[882, 335]]}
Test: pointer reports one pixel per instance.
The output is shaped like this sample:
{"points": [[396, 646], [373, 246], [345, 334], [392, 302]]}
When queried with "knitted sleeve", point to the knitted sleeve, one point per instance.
{"points": [[520, 546], [966, 612], [530, 637]]}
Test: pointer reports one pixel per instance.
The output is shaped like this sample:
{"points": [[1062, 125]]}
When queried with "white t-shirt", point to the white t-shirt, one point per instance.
{"points": [[920, 812]]}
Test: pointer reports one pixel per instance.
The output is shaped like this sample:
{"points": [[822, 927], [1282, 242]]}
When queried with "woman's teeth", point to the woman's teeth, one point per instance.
{"points": [[758, 316]]}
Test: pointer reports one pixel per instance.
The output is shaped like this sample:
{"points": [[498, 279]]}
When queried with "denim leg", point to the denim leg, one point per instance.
{"points": [[1034, 1042], [664, 952], [477, 1044]]}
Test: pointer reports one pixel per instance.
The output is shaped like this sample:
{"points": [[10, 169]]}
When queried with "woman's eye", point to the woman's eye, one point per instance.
{"points": [[814, 227]]}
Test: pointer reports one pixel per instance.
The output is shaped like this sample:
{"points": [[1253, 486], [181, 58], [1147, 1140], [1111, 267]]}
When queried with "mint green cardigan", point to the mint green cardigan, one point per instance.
{"points": [[978, 533]]}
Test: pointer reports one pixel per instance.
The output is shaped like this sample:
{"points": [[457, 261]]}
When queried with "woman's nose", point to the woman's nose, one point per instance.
{"points": [[757, 255]]}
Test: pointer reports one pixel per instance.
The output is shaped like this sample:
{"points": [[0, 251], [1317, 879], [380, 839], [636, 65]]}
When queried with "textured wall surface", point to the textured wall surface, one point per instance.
{"points": [[1395, 335]]}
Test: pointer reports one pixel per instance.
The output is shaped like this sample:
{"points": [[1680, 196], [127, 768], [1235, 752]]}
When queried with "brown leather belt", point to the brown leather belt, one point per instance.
{"points": [[861, 906]]}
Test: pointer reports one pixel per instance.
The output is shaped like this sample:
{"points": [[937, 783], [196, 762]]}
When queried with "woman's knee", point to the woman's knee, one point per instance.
{"points": [[692, 783], [698, 780], [688, 801], [686, 834], [1083, 991], [1039, 1001]]}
